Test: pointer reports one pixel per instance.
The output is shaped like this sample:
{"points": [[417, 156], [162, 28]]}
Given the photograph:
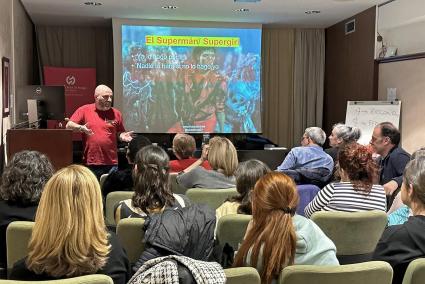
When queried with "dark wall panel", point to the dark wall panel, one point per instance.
{"points": [[350, 69]]}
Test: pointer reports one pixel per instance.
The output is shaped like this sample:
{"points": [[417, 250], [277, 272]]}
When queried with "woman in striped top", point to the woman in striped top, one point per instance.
{"points": [[358, 189]]}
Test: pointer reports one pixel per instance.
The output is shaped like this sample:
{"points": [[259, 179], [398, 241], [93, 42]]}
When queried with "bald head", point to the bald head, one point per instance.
{"points": [[103, 97]]}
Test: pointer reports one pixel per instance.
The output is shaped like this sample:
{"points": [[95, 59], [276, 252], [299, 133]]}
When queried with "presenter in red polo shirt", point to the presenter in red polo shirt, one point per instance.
{"points": [[101, 125]]}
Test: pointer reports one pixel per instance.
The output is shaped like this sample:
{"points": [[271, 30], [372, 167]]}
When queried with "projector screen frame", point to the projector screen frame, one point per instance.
{"points": [[117, 24]]}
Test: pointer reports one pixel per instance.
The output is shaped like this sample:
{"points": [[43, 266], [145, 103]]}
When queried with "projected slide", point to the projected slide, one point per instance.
{"points": [[194, 80]]}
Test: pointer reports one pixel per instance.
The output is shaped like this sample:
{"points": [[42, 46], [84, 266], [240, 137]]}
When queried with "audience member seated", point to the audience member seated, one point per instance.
{"points": [[152, 191], [185, 231], [70, 238], [385, 142], [401, 244], [223, 158], [247, 174], [399, 213], [341, 134], [309, 164], [23, 180], [276, 237], [119, 180], [183, 148], [358, 189]]}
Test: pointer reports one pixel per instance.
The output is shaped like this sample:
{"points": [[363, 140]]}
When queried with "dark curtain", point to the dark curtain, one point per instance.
{"points": [[78, 47]]}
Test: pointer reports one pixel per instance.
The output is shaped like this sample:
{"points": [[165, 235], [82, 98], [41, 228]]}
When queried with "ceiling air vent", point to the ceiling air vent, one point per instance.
{"points": [[350, 27]]}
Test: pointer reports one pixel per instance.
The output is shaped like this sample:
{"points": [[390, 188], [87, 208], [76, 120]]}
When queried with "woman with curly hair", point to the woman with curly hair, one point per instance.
{"points": [[23, 180], [152, 191], [358, 189], [69, 237], [276, 237]]}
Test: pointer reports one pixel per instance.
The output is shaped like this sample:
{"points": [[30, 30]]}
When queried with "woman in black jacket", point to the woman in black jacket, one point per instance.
{"points": [[401, 244]]}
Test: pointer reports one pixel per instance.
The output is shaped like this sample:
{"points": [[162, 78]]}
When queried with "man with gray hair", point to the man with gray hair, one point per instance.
{"points": [[309, 163]]}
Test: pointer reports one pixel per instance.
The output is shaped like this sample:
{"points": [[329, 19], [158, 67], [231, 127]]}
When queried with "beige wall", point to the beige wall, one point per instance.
{"points": [[402, 25], [408, 77]]}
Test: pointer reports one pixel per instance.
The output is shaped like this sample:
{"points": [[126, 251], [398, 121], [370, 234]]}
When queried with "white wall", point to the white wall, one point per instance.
{"points": [[402, 24], [408, 77]]}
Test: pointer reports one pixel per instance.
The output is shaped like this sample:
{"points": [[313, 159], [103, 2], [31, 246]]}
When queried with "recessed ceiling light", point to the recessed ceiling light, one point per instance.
{"points": [[91, 3], [241, 10], [169, 7], [310, 12]]}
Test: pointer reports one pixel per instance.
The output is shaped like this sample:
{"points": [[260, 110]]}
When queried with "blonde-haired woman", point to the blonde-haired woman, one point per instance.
{"points": [[70, 238], [223, 159]]}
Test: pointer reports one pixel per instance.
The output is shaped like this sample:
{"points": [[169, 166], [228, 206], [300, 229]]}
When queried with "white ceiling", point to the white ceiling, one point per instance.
{"points": [[279, 12]]}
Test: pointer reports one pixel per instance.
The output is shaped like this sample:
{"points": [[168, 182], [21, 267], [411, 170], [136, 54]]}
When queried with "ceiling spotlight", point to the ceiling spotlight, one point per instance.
{"points": [[241, 10], [169, 7], [310, 12], [91, 3]]}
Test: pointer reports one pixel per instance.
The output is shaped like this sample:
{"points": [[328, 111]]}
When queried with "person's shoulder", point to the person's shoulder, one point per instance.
{"points": [[116, 111], [400, 152], [396, 232]]}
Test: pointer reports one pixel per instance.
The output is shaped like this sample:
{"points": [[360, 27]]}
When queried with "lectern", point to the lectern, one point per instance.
{"points": [[55, 143]]}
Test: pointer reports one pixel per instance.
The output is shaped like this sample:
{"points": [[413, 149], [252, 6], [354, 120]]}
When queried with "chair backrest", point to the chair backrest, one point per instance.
{"points": [[353, 233], [415, 272], [130, 234], [175, 187], [212, 197], [111, 200], [306, 192], [92, 279], [242, 275], [102, 179], [18, 234], [372, 272], [231, 229]]}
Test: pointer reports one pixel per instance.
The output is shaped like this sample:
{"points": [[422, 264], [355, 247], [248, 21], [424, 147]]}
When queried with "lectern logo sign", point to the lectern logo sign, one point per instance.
{"points": [[38, 91], [70, 80]]}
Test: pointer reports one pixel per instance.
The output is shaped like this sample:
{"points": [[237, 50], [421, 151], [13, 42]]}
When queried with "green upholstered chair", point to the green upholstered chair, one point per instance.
{"points": [[212, 197], [87, 279], [175, 187], [355, 234], [231, 229], [18, 234], [372, 272], [111, 200], [130, 234], [102, 179], [415, 273], [242, 275]]}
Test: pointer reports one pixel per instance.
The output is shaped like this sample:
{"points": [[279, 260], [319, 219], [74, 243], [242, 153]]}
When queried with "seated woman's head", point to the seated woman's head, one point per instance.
{"points": [[135, 145], [222, 155], [69, 237], [24, 177], [183, 146], [247, 174], [357, 166], [413, 187], [343, 134], [151, 180], [274, 202]]}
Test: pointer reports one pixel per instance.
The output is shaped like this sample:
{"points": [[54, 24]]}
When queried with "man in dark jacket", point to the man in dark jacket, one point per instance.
{"points": [[385, 142]]}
